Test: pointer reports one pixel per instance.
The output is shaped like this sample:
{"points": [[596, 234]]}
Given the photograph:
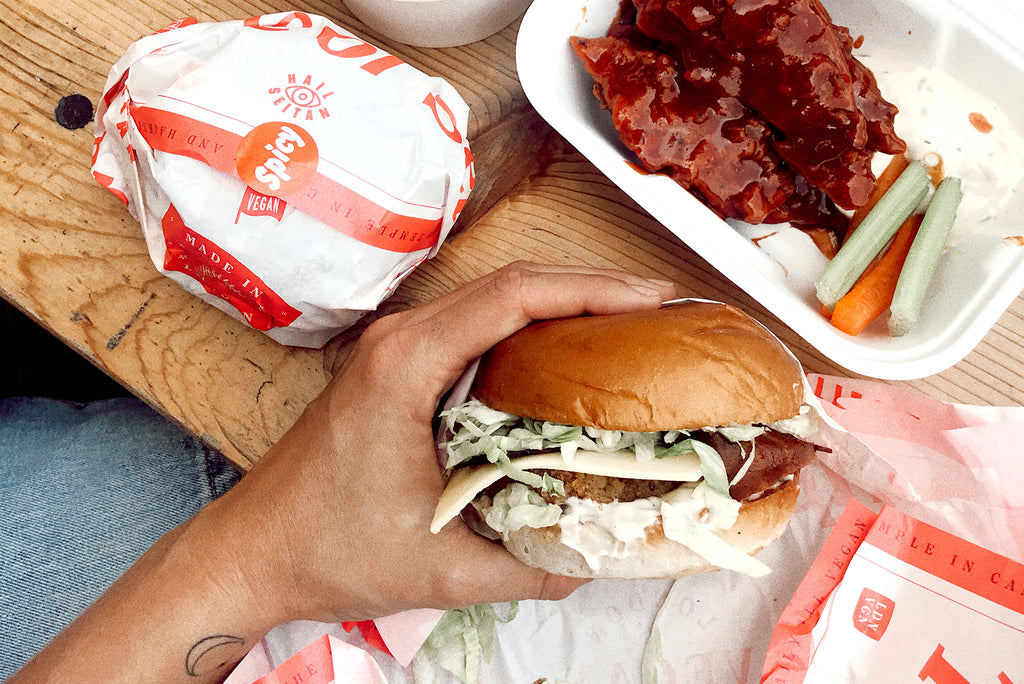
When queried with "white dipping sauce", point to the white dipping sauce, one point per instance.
{"points": [[935, 121]]}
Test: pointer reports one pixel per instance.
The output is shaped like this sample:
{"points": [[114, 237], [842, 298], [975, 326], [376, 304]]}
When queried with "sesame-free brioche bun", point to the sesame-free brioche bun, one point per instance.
{"points": [[686, 366]]}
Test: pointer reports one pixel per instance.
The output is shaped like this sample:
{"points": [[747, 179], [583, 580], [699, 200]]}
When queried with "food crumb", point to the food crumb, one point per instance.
{"points": [[980, 123], [934, 163], [73, 111], [1017, 240]]}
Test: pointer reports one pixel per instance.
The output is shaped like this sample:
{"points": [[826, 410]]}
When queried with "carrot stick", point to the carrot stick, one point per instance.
{"points": [[872, 294], [884, 181], [872, 235]]}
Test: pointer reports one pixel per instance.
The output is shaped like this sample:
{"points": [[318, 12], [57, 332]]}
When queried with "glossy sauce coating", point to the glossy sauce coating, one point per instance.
{"points": [[767, 91]]}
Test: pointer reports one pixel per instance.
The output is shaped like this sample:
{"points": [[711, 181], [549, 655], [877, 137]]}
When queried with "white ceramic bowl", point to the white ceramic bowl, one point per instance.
{"points": [[437, 23]]}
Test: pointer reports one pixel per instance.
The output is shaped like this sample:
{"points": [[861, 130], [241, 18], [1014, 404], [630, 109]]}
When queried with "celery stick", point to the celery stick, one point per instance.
{"points": [[923, 257], [872, 234]]}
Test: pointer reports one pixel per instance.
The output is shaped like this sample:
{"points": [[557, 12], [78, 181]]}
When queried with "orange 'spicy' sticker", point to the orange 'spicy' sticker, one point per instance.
{"points": [[277, 158]]}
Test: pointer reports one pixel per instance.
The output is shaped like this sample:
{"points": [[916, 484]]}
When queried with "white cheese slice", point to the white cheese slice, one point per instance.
{"points": [[466, 483]]}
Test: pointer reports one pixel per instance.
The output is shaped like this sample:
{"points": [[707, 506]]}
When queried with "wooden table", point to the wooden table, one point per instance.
{"points": [[73, 259]]}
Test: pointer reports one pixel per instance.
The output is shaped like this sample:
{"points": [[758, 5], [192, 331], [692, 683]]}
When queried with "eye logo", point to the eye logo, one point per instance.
{"points": [[302, 98]]}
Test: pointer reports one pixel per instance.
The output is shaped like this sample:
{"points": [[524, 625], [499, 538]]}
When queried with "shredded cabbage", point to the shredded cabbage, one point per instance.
{"points": [[519, 506], [476, 430], [741, 433], [722, 507], [649, 666], [803, 425], [748, 460], [681, 527], [462, 639]]}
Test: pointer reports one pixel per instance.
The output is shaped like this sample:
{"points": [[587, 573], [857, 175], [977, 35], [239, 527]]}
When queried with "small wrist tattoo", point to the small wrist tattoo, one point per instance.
{"points": [[212, 653]]}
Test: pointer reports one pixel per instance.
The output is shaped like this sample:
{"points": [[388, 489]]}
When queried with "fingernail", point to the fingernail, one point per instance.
{"points": [[558, 587]]}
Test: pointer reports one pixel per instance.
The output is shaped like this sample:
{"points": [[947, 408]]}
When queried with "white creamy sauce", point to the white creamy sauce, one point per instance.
{"points": [[606, 530], [935, 120], [610, 530]]}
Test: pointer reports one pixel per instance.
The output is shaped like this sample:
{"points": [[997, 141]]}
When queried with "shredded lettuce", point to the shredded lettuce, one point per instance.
{"points": [[722, 507], [680, 526], [460, 641], [653, 658], [803, 425], [475, 430], [748, 460], [741, 433], [517, 506]]}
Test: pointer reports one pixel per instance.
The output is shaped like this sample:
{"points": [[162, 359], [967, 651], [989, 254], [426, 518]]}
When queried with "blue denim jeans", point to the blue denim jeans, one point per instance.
{"points": [[84, 490]]}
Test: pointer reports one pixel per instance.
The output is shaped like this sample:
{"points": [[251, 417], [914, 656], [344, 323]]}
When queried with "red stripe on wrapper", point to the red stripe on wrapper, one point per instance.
{"points": [[313, 664], [790, 648], [321, 198], [222, 275], [370, 632], [182, 135], [958, 561]]}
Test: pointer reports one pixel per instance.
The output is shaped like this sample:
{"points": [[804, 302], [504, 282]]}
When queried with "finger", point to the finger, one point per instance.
{"points": [[470, 323], [558, 587], [473, 288]]}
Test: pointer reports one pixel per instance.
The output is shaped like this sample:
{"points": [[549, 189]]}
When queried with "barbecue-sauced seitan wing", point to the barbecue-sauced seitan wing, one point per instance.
{"points": [[699, 134], [789, 64]]}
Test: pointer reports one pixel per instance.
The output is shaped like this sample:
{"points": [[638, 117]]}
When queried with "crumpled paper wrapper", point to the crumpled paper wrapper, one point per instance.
{"points": [[323, 659], [283, 169], [949, 465]]}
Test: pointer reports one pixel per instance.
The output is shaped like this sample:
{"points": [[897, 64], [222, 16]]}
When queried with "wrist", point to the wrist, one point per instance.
{"points": [[231, 562]]}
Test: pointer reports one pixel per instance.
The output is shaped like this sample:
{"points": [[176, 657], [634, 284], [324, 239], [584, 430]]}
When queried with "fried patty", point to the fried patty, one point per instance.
{"points": [[776, 456], [603, 489]]}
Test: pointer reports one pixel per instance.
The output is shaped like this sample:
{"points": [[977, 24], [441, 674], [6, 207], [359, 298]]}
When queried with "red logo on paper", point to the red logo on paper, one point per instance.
{"points": [[277, 158], [222, 275], [872, 614], [303, 98], [180, 23], [257, 204]]}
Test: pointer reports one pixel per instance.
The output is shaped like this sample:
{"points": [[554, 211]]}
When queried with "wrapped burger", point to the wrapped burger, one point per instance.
{"points": [[282, 169]]}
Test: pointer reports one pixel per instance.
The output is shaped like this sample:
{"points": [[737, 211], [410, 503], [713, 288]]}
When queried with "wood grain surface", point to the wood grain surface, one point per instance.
{"points": [[73, 259]]}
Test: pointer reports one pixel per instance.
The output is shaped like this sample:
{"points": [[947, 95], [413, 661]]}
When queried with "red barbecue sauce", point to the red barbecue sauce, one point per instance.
{"points": [[758, 107]]}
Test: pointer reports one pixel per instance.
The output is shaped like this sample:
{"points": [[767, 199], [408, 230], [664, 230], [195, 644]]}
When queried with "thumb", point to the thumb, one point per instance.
{"points": [[558, 587], [490, 574]]}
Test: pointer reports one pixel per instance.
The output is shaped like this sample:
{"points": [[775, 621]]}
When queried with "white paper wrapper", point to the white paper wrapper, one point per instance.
{"points": [[283, 169]]}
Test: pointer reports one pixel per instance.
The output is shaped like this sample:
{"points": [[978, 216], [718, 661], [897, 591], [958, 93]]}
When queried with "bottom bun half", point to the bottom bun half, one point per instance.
{"points": [[759, 523]]}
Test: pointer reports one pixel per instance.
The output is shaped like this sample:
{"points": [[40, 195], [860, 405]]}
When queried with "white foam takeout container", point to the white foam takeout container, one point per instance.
{"points": [[972, 41]]}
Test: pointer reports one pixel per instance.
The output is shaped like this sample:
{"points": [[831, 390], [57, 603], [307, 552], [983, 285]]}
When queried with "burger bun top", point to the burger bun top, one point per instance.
{"points": [[685, 366]]}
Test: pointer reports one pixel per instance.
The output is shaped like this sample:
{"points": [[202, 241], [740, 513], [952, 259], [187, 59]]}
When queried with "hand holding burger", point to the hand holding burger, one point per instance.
{"points": [[333, 521]]}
